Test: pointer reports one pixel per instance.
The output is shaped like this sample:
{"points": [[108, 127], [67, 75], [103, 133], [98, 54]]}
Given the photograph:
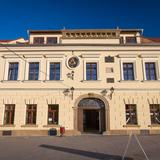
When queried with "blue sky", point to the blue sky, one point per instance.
{"points": [[17, 16]]}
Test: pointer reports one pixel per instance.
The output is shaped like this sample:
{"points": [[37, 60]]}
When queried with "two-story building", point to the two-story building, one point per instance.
{"points": [[103, 81]]}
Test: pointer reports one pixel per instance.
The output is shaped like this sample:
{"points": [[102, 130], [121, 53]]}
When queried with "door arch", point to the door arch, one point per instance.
{"points": [[91, 113]]}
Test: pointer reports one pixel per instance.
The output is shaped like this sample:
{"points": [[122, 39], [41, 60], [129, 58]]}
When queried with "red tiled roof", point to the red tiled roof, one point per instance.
{"points": [[154, 39], [6, 40]]}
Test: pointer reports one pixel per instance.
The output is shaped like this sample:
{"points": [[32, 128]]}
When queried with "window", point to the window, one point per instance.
{"points": [[91, 71], [53, 114], [121, 40], [38, 40], [128, 71], [9, 114], [54, 71], [51, 40], [131, 114], [31, 114], [155, 113], [13, 71], [33, 70], [131, 40], [150, 71]]}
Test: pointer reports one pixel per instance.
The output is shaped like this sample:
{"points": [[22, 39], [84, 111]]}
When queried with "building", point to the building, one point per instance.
{"points": [[100, 81]]}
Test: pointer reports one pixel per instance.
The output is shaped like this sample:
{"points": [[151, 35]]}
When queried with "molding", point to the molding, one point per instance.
{"points": [[7, 125], [32, 81], [29, 125], [127, 56], [53, 81], [33, 55], [54, 55], [91, 81], [12, 56], [90, 55], [51, 125], [154, 125], [131, 125], [10, 81], [149, 55], [129, 81]]}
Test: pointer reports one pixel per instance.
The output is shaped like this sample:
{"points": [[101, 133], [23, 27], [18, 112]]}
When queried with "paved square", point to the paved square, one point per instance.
{"points": [[85, 147]]}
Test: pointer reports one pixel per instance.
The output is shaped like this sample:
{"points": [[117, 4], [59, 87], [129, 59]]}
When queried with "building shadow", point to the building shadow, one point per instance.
{"points": [[95, 155]]}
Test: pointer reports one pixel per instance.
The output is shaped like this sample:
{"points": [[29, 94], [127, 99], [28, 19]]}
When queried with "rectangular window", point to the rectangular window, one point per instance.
{"points": [[33, 71], [150, 71], [91, 71], [53, 114], [38, 40], [51, 40], [54, 71], [155, 113], [13, 71], [9, 114], [131, 40], [128, 71], [131, 114], [31, 113]]}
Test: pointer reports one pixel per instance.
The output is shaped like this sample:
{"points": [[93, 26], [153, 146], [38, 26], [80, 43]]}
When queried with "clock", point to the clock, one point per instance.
{"points": [[73, 62]]}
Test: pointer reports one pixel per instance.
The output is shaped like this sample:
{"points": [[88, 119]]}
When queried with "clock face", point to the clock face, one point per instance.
{"points": [[73, 62]]}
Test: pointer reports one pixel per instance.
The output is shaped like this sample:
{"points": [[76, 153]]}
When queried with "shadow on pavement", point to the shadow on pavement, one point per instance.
{"points": [[89, 154]]}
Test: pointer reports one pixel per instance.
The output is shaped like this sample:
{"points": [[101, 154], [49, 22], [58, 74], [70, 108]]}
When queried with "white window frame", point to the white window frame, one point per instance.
{"points": [[7, 68], [54, 60], [84, 69], [150, 60], [30, 60], [128, 60]]}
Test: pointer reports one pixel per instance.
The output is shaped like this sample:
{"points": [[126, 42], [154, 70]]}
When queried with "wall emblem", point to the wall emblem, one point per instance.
{"points": [[73, 62]]}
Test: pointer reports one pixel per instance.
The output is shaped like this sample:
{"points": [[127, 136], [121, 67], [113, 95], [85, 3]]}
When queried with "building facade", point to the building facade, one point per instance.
{"points": [[89, 81]]}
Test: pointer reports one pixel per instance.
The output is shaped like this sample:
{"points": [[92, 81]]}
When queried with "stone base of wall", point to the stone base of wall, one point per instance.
{"points": [[36, 133], [127, 132], [73, 132]]}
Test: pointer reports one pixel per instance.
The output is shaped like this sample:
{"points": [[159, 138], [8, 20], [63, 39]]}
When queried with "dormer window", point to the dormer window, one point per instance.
{"points": [[38, 40], [131, 40], [51, 40]]}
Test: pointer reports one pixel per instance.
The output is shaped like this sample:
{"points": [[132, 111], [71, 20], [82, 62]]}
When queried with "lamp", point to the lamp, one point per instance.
{"points": [[67, 91], [110, 93], [72, 90], [71, 75]]}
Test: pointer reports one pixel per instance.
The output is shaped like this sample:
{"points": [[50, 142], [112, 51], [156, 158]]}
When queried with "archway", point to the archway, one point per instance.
{"points": [[91, 114]]}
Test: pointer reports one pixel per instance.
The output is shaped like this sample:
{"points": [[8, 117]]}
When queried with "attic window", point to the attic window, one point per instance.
{"points": [[51, 40], [38, 40], [131, 40]]}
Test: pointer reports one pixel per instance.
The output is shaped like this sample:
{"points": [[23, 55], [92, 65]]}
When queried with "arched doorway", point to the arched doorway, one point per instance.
{"points": [[91, 113]]}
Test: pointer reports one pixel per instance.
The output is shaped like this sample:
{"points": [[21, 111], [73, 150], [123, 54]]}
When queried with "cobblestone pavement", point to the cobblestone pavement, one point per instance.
{"points": [[85, 147]]}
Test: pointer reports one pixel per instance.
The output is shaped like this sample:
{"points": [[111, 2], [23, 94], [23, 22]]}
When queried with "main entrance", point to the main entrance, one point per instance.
{"points": [[91, 115], [90, 120]]}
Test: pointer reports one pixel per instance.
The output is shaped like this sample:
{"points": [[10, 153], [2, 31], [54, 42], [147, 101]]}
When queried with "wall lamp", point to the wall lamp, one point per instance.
{"points": [[108, 93], [71, 75], [69, 92]]}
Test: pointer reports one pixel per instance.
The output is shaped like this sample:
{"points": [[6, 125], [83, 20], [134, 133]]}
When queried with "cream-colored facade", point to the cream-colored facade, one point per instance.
{"points": [[110, 86]]}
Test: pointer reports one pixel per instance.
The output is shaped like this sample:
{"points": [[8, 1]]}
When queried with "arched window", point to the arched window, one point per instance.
{"points": [[91, 102]]}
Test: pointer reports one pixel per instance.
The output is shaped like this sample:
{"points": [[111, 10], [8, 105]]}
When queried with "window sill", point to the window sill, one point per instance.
{"points": [[128, 81], [51, 125], [91, 81], [32, 81], [7, 125], [10, 81], [29, 125], [53, 81], [131, 125], [150, 81], [154, 125]]}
